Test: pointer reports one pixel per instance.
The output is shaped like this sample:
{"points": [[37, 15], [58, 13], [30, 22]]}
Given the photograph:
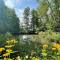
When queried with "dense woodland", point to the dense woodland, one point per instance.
{"points": [[45, 17]]}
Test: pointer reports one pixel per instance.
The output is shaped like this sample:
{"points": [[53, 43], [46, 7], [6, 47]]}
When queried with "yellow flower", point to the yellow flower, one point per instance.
{"points": [[6, 54], [5, 58], [1, 49], [35, 58], [9, 46], [18, 58], [57, 46], [8, 41], [9, 59], [45, 46], [53, 48], [13, 41], [8, 50]]}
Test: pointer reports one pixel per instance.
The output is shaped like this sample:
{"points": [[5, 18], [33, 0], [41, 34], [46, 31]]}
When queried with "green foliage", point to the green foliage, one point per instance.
{"points": [[35, 21], [8, 19], [26, 12], [46, 37], [12, 22], [34, 49], [26, 18], [45, 45], [42, 9], [51, 9]]}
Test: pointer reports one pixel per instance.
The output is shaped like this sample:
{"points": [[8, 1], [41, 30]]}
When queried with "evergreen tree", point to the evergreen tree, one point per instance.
{"points": [[26, 18], [8, 19], [35, 22]]}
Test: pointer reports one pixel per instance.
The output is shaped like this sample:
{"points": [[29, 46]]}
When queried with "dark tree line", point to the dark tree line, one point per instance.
{"points": [[45, 17], [8, 20]]}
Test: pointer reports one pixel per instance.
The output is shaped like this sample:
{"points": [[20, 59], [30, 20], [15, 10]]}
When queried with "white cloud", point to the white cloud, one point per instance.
{"points": [[19, 13], [9, 3]]}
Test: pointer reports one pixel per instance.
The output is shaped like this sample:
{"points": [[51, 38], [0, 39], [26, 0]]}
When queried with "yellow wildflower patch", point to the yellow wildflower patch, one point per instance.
{"points": [[57, 46], [1, 49]]}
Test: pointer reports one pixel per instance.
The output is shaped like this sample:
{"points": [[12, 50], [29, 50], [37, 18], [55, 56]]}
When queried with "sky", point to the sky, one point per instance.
{"points": [[20, 5]]}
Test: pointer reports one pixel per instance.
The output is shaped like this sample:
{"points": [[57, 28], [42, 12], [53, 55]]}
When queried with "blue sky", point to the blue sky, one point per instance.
{"points": [[19, 5], [26, 3]]}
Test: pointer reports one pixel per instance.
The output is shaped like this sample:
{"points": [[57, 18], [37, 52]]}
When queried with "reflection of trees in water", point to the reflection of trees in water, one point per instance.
{"points": [[24, 38]]}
